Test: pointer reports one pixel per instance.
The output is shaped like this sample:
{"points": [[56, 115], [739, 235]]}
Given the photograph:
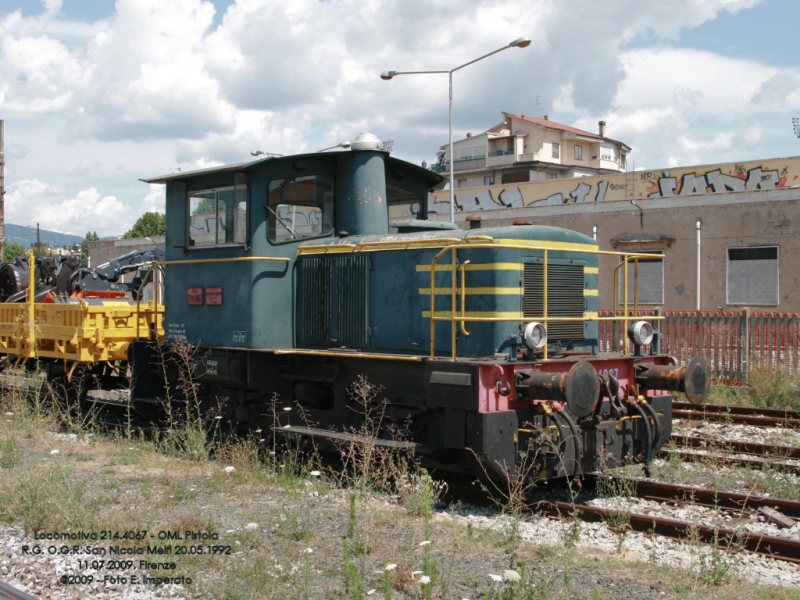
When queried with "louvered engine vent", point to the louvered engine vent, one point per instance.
{"points": [[332, 300], [564, 298]]}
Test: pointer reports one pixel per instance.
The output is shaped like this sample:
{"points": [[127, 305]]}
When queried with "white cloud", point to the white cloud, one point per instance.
{"points": [[155, 200], [55, 209], [157, 86]]}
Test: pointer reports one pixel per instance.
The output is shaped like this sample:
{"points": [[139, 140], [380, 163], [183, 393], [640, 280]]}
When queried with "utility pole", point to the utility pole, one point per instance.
{"points": [[2, 192]]}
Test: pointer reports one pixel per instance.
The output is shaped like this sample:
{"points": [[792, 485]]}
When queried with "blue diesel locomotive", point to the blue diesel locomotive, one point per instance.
{"points": [[294, 276]]}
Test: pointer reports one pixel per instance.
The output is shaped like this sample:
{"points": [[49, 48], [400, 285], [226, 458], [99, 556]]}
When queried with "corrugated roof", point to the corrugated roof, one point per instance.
{"points": [[554, 125]]}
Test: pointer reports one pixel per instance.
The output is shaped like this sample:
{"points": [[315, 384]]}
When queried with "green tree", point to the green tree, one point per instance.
{"points": [[12, 251], [91, 236], [441, 164], [148, 225]]}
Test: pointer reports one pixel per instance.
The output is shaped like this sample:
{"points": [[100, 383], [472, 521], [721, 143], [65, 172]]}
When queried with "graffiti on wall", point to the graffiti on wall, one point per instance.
{"points": [[714, 179]]}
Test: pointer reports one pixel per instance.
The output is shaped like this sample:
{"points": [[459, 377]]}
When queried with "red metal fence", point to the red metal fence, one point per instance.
{"points": [[729, 340]]}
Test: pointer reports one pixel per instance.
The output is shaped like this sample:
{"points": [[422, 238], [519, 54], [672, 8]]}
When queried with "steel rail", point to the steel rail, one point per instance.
{"points": [[753, 462], [773, 547], [9, 592], [739, 410], [732, 501], [698, 414], [754, 448]]}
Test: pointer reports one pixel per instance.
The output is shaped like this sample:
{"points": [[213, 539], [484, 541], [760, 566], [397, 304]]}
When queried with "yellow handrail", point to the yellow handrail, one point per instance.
{"points": [[462, 318], [192, 261], [464, 295]]}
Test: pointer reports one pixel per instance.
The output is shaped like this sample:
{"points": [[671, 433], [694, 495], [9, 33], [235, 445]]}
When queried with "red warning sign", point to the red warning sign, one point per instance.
{"points": [[214, 296], [194, 296]]}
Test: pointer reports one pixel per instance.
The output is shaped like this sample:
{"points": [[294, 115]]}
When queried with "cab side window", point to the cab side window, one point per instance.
{"points": [[300, 208], [218, 217]]}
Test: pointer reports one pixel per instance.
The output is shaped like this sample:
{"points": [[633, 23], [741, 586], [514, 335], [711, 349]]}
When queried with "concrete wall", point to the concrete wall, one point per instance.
{"points": [[103, 251], [687, 181], [728, 220]]}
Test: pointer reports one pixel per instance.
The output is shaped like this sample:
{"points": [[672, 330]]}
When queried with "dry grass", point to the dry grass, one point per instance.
{"points": [[94, 483]]}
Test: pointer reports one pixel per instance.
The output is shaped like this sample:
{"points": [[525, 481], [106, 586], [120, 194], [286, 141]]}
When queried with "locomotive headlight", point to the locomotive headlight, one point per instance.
{"points": [[641, 333], [535, 335]]}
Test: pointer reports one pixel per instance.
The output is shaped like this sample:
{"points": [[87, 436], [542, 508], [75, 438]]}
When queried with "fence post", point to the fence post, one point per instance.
{"points": [[746, 350], [657, 328]]}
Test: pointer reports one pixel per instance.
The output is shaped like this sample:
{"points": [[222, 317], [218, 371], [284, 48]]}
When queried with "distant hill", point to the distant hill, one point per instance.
{"points": [[25, 236]]}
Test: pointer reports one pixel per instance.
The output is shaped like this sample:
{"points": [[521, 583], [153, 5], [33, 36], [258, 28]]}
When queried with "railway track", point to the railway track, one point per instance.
{"points": [[762, 417], [740, 505], [733, 453]]}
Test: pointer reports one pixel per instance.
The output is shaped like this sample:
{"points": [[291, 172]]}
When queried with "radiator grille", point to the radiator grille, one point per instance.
{"points": [[564, 298], [332, 300]]}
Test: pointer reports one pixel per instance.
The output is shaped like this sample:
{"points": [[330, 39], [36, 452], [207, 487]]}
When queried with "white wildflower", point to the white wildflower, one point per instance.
{"points": [[425, 543], [229, 469], [511, 576], [53, 451], [391, 567], [218, 417], [495, 577], [315, 473], [424, 579], [287, 408], [308, 551]]}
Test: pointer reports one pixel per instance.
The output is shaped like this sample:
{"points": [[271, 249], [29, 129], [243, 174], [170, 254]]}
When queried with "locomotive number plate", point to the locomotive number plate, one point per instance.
{"points": [[194, 296], [214, 296]]}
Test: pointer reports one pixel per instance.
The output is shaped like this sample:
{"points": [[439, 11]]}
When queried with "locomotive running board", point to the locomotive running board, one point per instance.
{"points": [[354, 438]]}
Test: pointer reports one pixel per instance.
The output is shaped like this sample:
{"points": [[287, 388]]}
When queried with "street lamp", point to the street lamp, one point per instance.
{"points": [[522, 42]]}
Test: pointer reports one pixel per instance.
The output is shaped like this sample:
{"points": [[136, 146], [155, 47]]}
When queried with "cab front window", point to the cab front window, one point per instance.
{"points": [[300, 208]]}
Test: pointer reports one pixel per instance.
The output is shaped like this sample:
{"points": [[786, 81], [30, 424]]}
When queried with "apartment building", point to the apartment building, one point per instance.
{"points": [[523, 149]]}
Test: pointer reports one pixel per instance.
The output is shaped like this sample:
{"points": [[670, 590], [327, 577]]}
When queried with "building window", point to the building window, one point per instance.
{"points": [[650, 278], [487, 180], [300, 208], [551, 175], [578, 152], [753, 275], [516, 177], [556, 150], [218, 217], [462, 183]]}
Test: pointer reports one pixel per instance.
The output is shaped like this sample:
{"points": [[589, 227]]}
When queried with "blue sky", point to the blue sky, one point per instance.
{"points": [[98, 94]]}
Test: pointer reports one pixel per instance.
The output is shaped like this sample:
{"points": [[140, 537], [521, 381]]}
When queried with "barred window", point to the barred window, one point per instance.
{"points": [[651, 281], [753, 276]]}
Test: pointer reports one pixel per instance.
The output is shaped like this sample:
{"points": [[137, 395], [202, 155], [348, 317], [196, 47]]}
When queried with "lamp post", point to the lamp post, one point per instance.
{"points": [[522, 42]]}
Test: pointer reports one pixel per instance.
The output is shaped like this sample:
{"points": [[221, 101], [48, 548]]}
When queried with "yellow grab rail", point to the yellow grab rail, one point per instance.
{"points": [[460, 317]]}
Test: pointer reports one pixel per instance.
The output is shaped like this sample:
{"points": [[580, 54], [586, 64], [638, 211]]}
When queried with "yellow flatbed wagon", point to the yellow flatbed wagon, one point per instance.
{"points": [[76, 330]]}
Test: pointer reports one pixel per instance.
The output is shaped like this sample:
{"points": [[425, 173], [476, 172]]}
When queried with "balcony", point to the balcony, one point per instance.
{"points": [[508, 157], [468, 164]]}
